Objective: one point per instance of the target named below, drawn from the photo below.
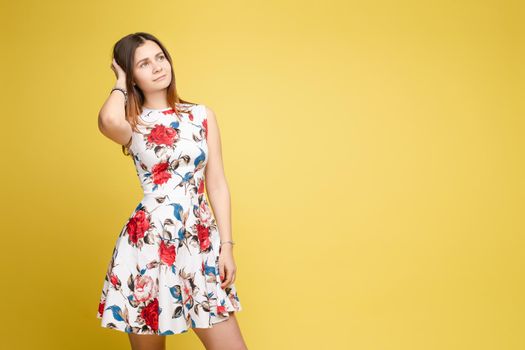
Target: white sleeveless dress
(163, 276)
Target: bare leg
(224, 335)
(147, 341)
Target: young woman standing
(172, 267)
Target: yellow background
(374, 151)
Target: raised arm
(112, 116)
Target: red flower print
(167, 253)
(145, 288)
(162, 135)
(221, 309)
(160, 173)
(150, 314)
(137, 225)
(201, 187)
(169, 111)
(203, 233)
(205, 126)
(114, 280)
(101, 307)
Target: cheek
(139, 76)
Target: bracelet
(123, 91)
(232, 242)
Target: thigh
(225, 335)
(147, 341)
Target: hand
(119, 72)
(227, 268)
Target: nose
(156, 67)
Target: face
(149, 64)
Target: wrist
(120, 83)
(228, 245)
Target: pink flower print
(145, 288)
(205, 216)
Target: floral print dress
(163, 276)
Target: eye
(142, 64)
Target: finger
(225, 278)
(221, 271)
(226, 283)
(228, 280)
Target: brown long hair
(124, 54)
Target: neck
(156, 100)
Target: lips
(160, 78)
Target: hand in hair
(119, 72)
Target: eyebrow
(145, 59)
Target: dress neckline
(166, 108)
(156, 109)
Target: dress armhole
(127, 145)
(205, 121)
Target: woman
(172, 266)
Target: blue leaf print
(181, 233)
(177, 210)
(175, 294)
(209, 269)
(200, 159)
(174, 124)
(117, 312)
(188, 176)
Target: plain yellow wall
(374, 151)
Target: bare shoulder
(210, 114)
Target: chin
(166, 82)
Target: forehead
(148, 49)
